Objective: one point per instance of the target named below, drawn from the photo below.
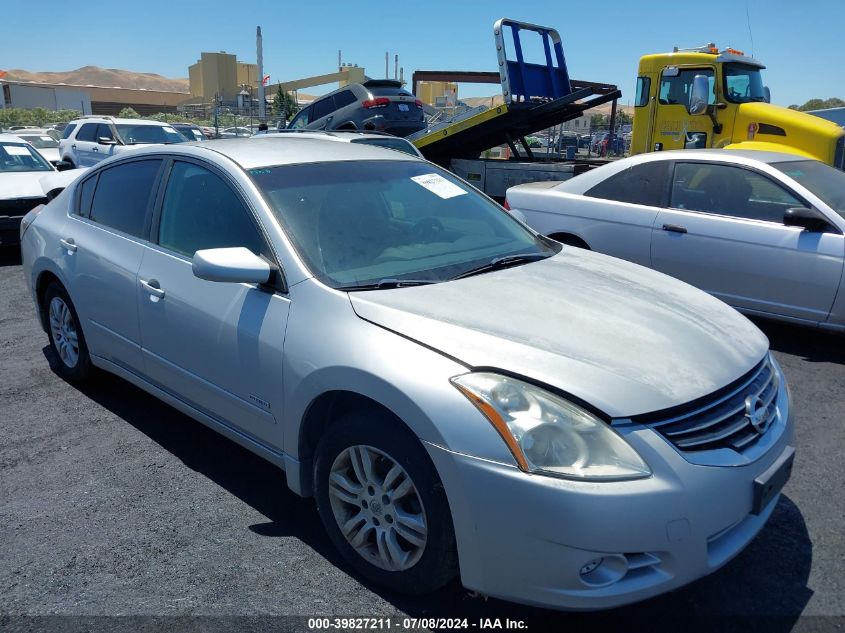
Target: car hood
(22, 184)
(623, 338)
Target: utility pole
(396, 67)
(262, 99)
(387, 65)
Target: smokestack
(402, 75)
(387, 65)
(262, 100)
(396, 67)
(339, 58)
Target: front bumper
(10, 227)
(579, 545)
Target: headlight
(549, 435)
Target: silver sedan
(459, 394)
(762, 231)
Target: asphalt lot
(112, 503)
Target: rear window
(641, 184)
(132, 134)
(390, 143)
(389, 91)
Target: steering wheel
(428, 228)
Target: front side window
(21, 157)
(743, 83)
(356, 223)
(676, 90)
(641, 184)
(729, 190)
(643, 88)
(88, 132)
(823, 180)
(301, 119)
(132, 134)
(104, 132)
(201, 211)
(123, 196)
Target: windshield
(191, 133)
(821, 179)
(39, 141)
(360, 222)
(21, 157)
(743, 83)
(390, 143)
(132, 134)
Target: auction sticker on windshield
(438, 185)
(16, 150)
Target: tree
(819, 104)
(284, 102)
(128, 113)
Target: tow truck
(706, 97)
(536, 96)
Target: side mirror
(808, 219)
(63, 165)
(105, 140)
(232, 265)
(698, 98)
(767, 93)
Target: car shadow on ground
(811, 344)
(10, 256)
(764, 588)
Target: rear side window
(69, 130)
(342, 99)
(201, 211)
(123, 196)
(641, 184)
(86, 195)
(87, 132)
(322, 108)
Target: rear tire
(383, 504)
(66, 337)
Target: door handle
(68, 244)
(154, 288)
(95, 150)
(73, 146)
(674, 228)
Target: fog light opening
(603, 571)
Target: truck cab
(706, 97)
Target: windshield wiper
(503, 262)
(384, 284)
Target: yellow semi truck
(706, 97)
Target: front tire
(383, 505)
(66, 337)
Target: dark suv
(379, 105)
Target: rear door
(217, 346)
(82, 146)
(103, 242)
(723, 232)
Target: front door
(674, 127)
(217, 346)
(724, 233)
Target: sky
(799, 41)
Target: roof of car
(705, 154)
(263, 151)
(115, 120)
(12, 138)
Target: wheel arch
(570, 239)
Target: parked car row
(462, 395)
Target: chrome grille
(733, 420)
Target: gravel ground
(114, 504)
